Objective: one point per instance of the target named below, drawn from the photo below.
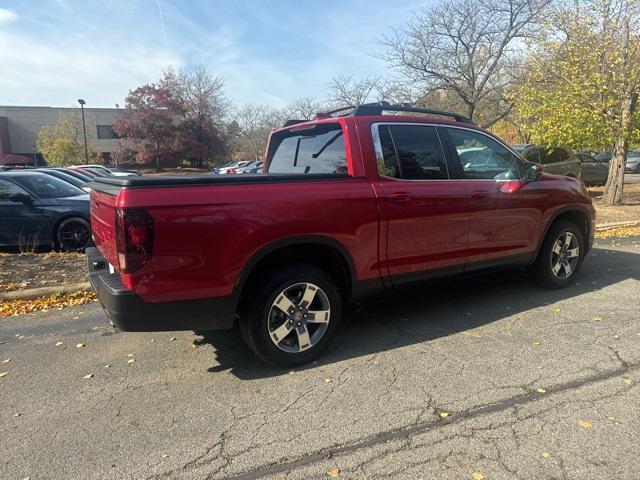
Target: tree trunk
(614, 188)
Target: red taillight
(134, 238)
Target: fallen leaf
(130, 355)
(17, 414)
(107, 366)
(536, 343)
(59, 343)
(6, 360)
(598, 319)
(584, 424)
(172, 339)
(616, 336)
(557, 310)
(80, 345)
(545, 454)
(12, 308)
(477, 476)
(611, 418)
(88, 375)
(165, 455)
(334, 473)
(444, 414)
(541, 390)
(131, 360)
(628, 381)
(328, 380)
(3, 374)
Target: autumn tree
(148, 120)
(467, 49)
(583, 82)
(62, 143)
(203, 106)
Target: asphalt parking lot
(483, 378)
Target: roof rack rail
(378, 108)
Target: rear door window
(320, 149)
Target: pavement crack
(403, 433)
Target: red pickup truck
(348, 206)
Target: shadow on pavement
(429, 312)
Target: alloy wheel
(73, 236)
(299, 317)
(565, 255)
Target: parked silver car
(556, 160)
(633, 162)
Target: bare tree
(345, 90)
(304, 108)
(252, 125)
(468, 48)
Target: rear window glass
(45, 186)
(319, 149)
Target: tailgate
(103, 224)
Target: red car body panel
(207, 236)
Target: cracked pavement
(487, 376)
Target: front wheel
(560, 256)
(73, 235)
(292, 315)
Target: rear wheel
(560, 256)
(291, 316)
(73, 235)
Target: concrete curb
(33, 293)
(607, 226)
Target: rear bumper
(128, 312)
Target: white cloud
(38, 72)
(7, 16)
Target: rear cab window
(318, 149)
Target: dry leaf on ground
(584, 424)
(12, 308)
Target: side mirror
(533, 172)
(20, 198)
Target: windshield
(604, 156)
(46, 186)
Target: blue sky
(52, 52)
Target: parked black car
(594, 171)
(76, 182)
(39, 209)
(74, 172)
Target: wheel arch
(574, 213)
(323, 252)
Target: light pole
(84, 130)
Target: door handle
(479, 194)
(403, 197)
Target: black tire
(73, 235)
(547, 259)
(258, 312)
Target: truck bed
(112, 185)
